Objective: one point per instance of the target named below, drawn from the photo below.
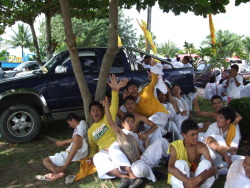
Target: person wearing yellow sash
(223, 139)
(187, 166)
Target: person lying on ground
(77, 150)
(222, 138)
(217, 104)
(142, 123)
(147, 104)
(238, 175)
(186, 168)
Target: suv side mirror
(60, 69)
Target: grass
(20, 163)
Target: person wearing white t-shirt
(239, 173)
(222, 138)
(245, 91)
(234, 81)
(77, 150)
(186, 62)
(177, 63)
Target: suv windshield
(57, 58)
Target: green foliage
(4, 54)
(242, 106)
(20, 38)
(168, 48)
(188, 47)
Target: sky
(186, 27)
(191, 28)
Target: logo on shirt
(185, 72)
(99, 132)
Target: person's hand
(142, 136)
(228, 160)
(59, 143)
(149, 75)
(193, 182)
(184, 113)
(113, 82)
(90, 160)
(105, 102)
(123, 82)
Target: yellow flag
(147, 35)
(119, 41)
(212, 30)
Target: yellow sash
(181, 153)
(231, 134)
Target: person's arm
(152, 125)
(115, 86)
(237, 82)
(64, 142)
(111, 122)
(77, 144)
(172, 169)
(237, 119)
(198, 111)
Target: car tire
(20, 123)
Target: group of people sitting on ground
(129, 142)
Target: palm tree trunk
(38, 57)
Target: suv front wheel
(20, 123)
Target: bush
(242, 106)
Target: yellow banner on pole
(147, 35)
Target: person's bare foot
(55, 176)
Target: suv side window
(88, 64)
(117, 66)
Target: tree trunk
(111, 51)
(38, 57)
(71, 43)
(48, 36)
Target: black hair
(235, 66)
(130, 83)
(129, 97)
(188, 125)
(221, 81)
(147, 56)
(215, 97)
(127, 115)
(96, 103)
(228, 113)
(187, 58)
(178, 59)
(212, 79)
(72, 116)
(248, 153)
(173, 85)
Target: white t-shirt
(236, 176)
(213, 129)
(245, 91)
(187, 65)
(232, 89)
(80, 130)
(177, 64)
(210, 91)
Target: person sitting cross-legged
(77, 150)
(222, 138)
(185, 167)
(238, 175)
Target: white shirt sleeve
(212, 130)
